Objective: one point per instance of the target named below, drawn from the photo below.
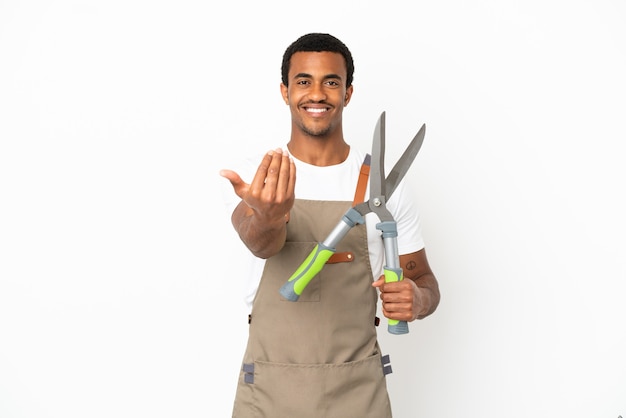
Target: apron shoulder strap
(359, 194)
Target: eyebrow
(326, 77)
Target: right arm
(260, 218)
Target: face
(317, 92)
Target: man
(319, 356)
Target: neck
(319, 151)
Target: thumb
(231, 176)
(379, 282)
(238, 184)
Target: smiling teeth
(316, 110)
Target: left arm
(415, 297)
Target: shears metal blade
(381, 189)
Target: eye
(332, 83)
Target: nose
(317, 92)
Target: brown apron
(318, 357)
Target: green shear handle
(393, 271)
(395, 326)
(312, 265)
(293, 288)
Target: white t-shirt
(337, 182)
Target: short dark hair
(317, 42)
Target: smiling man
(320, 357)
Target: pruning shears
(381, 189)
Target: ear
(284, 91)
(348, 96)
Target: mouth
(315, 110)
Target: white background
(119, 287)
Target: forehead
(318, 63)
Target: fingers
(398, 300)
(275, 177)
(287, 178)
(401, 291)
(270, 194)
(280, 173)
(399, 311)
(258, 182)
